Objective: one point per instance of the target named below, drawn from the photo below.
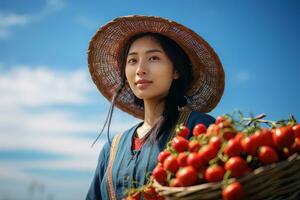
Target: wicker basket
(273, 182)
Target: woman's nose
(141, 69)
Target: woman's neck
(153, 111)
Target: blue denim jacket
(132, 166)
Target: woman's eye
(154, 58)
(132, 60)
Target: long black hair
(176, 96)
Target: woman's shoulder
(197, 117)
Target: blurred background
(50, 110)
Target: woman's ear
(176, 75)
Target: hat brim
(104, 60)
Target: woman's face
(148, 69)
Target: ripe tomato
(163, 155)
(134, 195)
(250, 144)
(236, 165)
(214, 173)
(216, 142)
(149, 193)
(283, 137)
(182, 131)
(295, 147)
(159, 174)
(174, 182)
(234, 191)
(220, 119)
(296, 129)
(182, 159)
(194, 146)
(264, 136)
(187, 176)
(199, 129)
(180, 144)
(233, 148)
(213, 129)
(195, 160)
(171, 164)
(267, 155)
(208, 153)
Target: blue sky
(50, 110)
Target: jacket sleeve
(94, 192)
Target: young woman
(159, 71)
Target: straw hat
(104, 60)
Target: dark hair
(176, 96)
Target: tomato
(187, 176)
(296, 129)
(163, 155)
(195, 160)
(234, 191)
(264, 137)
(182, 159)
(149, 193)
(236, 165)
(174, 182)
(214, 173)
(134, 195)
(267, 155)
(208, 153)
(216, 142)
(296, 146)
(283, 137)
(171, 164)
(250, 144)
(213, 129)
(180, 144)
(159, 174)
(220, 119)
(182, 131)
(194, 146)
(233, 148)
(199, 129)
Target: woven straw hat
(104, 60)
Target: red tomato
(264, 137)
(187, 176)
(180, 144)
(195, 160)
(163, 155)
(216, 142)
(194, 146)
(267, 155)
(296, 129)
(220, 119)
(149, 193)
(213, 129)
(182, 131)
(159, 174)
(250, 144)
(182, 159)
(233, 148)
(296, 146)
(283, 137)
(208, 153)
(174, 182)
(199, 129)
(171, 164)
(228, 134)
(237, 166)
(234, 191)
(214, 173)
(134, 195)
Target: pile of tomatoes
(222, 151)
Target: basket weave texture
(273, 182)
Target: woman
(159, 71)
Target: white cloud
(9, 21)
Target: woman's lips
(142, 84)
